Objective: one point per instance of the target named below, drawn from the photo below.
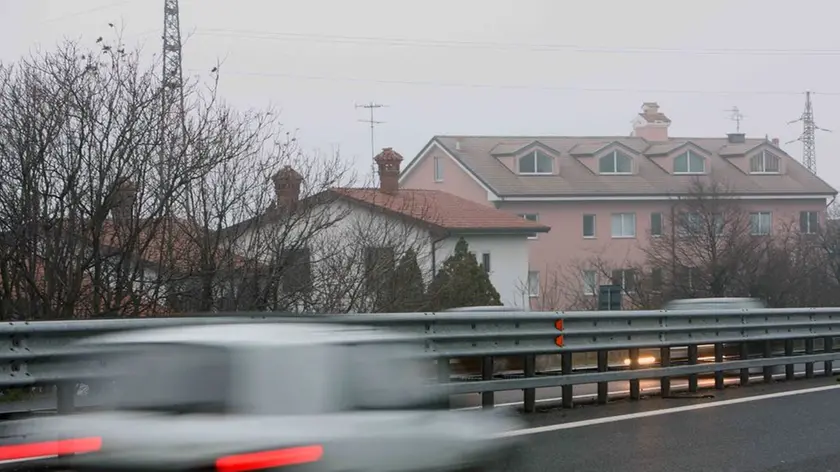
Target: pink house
(605, 196)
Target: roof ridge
(568, 136)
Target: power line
(85, 12)
(409, 42)
(430, 83)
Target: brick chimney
(651, 124)
(287, 183)
(123, 202)
(388, 162)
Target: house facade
(606, 197)
(363, 230)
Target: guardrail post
(767, 353)
(487, 398)
(809, 366)
(693, 383)
(530, 394)
(789, 374)
(603, 387)
(828, 346)
(635, 386)
(567, 390)
(665, 361)
(443, 375)
(719, 384)
(744, 354)
(65, 393)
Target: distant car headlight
(644, 360)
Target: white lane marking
(666, 411)
(27, 459)
(676, 386)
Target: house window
(765, 163)
(590, 282)
(656, 224)
(531, 217)
(536, 162)
(686, 277)
(438, 169)
(690, 224)
(624, 278)
(297, 270)
(656, 278)
(485, 262)
(615, 162)
(689, 163)
(809, 222)
(588, 226)
(533, 284)
(760, 223)
(719, 223)
(379, 267)
(624, 225)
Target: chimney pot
(775, 142)
(736, 138)
(287, 183)
(388, 162)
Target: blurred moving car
(705, 352)
(720, 303)
(244, 397)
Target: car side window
(172, 378)
(385, 376)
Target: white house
(367, 226)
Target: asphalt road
(765, 433)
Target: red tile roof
(442, 210)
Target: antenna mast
(808, 136)
(372, 107)
(737, 117)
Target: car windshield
(171, 378)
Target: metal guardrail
(38, 353)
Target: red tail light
(50, 448)
(268, 459)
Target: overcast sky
(512, 67)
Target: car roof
(492, 308)
(254, 334)
(735, 302)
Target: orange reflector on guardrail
(559, 340)
(559, 325)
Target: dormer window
(536, 162)
(616, 162)
(689, 162)
(765, 163)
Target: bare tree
(708, 246)
(83, 192)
